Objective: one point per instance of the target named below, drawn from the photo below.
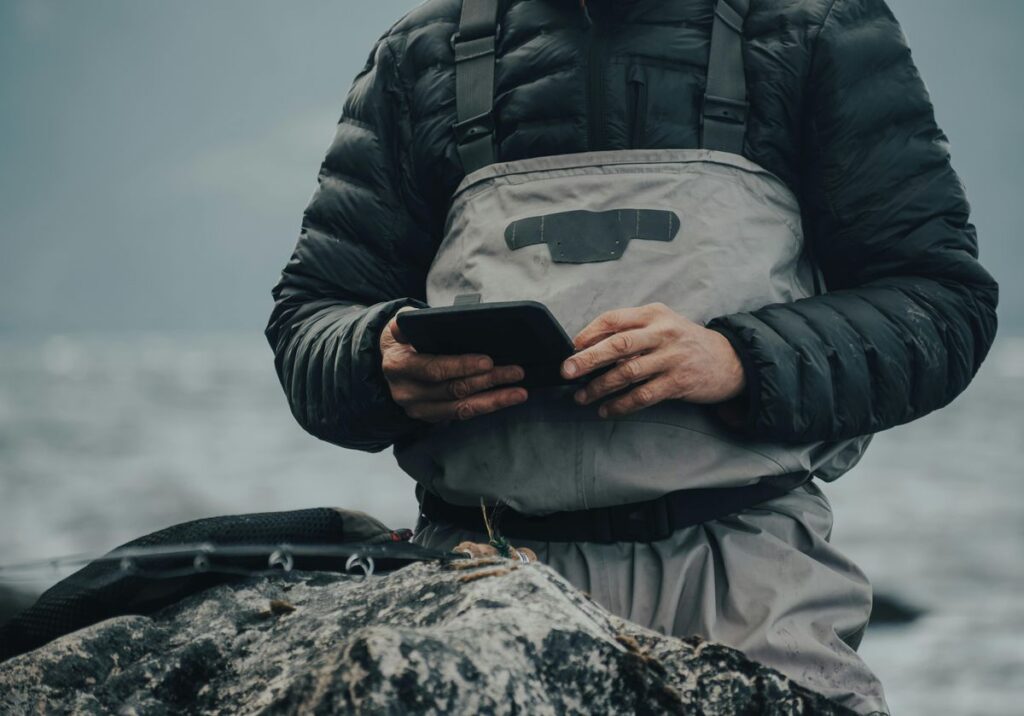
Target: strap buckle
(643, 522)
(732, 14)
(466, 299)
(647, 522)
(469, 130)
(477, 47)
(723, 109)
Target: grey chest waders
(705, 231)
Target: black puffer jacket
(838, 112)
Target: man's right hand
(435, 388)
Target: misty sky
(156, 155)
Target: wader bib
(703, 231)
(707, 232)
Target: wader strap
(466, 299)
(648, 521)
(473, 45)
(724, 108)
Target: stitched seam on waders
(606, 159)
(612, 158)
(490, 184)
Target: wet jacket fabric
(838, 112)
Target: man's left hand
(664, 355)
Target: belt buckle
(723, 109)
(649, 522)
(633, 525)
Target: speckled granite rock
(486, 638)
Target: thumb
(396, 332)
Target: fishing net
(149, 573)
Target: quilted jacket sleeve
(910, 313)
(351, 270)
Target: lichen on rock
(493, 638)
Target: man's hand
(660, 352)
(435, 388)
(478, 550)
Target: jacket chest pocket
(661, 103)
(636, 105)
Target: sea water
(105, 438)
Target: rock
(481, 637)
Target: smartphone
(522, 333)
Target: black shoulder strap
(724, 109)
(474, 83)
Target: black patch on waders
(580, 237)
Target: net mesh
(104, 588)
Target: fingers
(642, 396)
(466, 408)
(614, 322)
(475, 549)
(478, 550)
(628, 372)
(406, 392)
(427, 368)
(465, 387)
(524, 554)
(609, 350)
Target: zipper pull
(588, 21)
(637, 83)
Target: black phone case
(520, 333)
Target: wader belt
(724, 106)
(648, 521)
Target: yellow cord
(487, 522)
(496, 541)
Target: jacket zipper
(638, 113)
(595, 86)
